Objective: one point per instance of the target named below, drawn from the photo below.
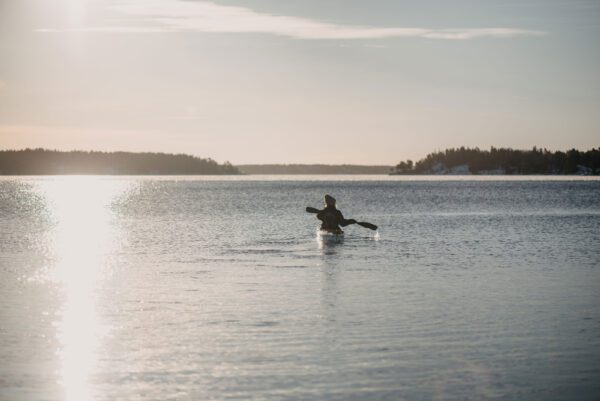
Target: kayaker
(331, 217)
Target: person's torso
(331, 218)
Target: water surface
(202, 288)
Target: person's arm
(343, 222)
(321, 215)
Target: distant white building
(496, 171)
(584, 170)
(441, 169)
(463, 169)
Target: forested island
(49, 162)
(504, 161)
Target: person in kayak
(331, 217)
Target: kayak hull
(330, 235)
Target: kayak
(330, 235)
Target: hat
(329, 200)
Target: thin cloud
(204, 16)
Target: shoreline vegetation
(453, 161)
(503, 161)
(53, 162)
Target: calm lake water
(173, 288)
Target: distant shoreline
(326, 177)
(452, 162)
(503, 161)
(313, 169)
(53, 162)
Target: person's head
(329, 200)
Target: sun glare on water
(81, 244)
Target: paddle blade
(312, 210)
(367, 225)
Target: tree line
(505, 161)
(46, 162)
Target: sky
(299, 81)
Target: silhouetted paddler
(331, 217)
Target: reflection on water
(329, 244)
(81, 244)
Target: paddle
(360, 223)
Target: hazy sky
(299, 81)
